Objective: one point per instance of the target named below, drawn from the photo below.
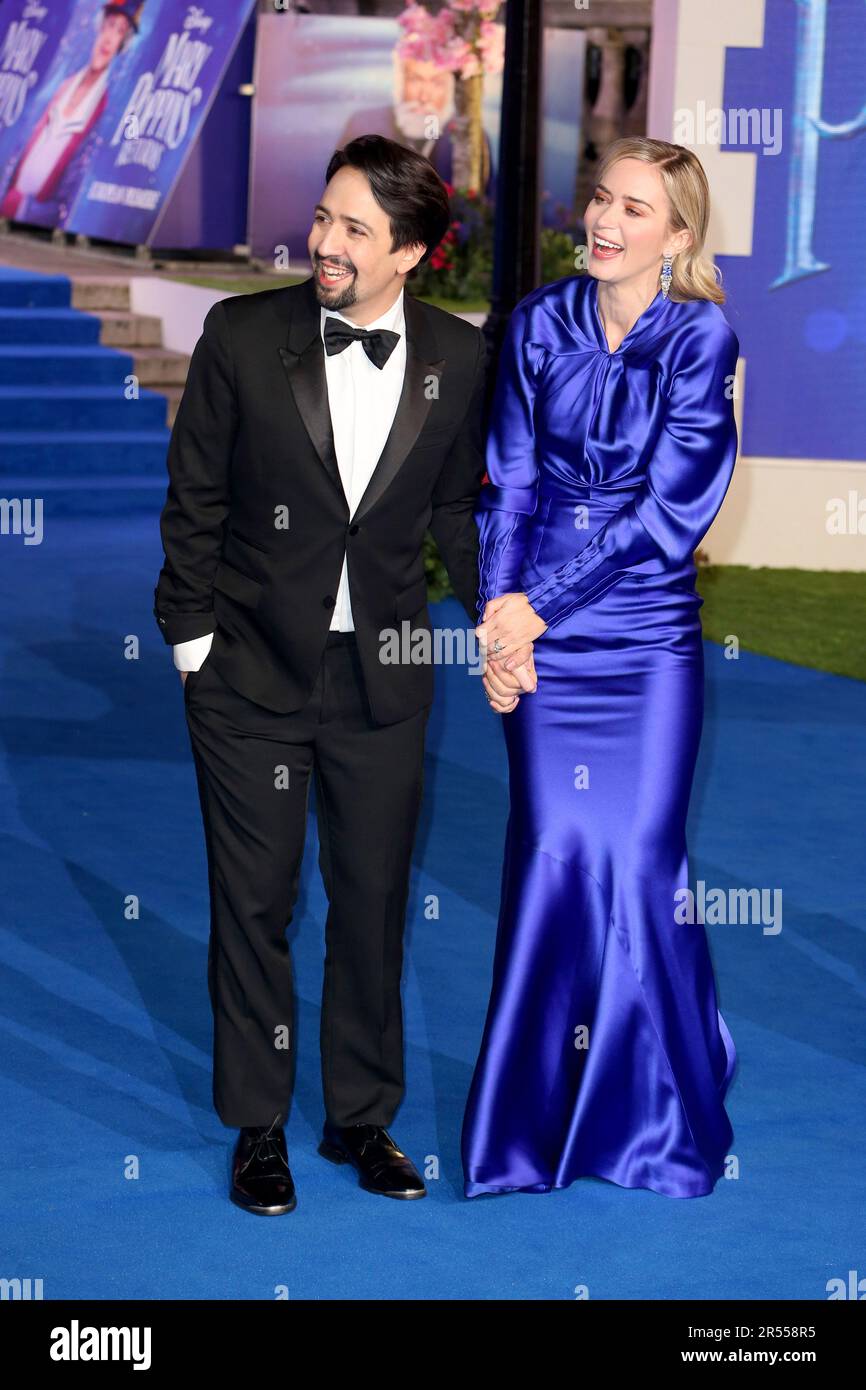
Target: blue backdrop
(798, 303)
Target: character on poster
(423, 92)
(52, 155)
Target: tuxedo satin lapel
(304, 362)
(414, 403)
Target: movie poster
(129, 88)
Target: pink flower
(440, 38)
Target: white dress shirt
(362, 400)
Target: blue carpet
(114, 1162)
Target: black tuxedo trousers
(254, 768)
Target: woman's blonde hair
(693, 275)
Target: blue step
(68, 435)
(68, 452)
(48, 326)
(27, 289)
(64, 366)
(78, 409)
(109, 495)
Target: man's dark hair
(406, 187)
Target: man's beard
(335, 298)
(411, 120)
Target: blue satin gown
(604, 1053)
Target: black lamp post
(516, 259)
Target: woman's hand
(509, 626)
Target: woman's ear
(681, 241)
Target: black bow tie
(378, 343)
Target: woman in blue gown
(611, 448)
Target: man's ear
(417, 249)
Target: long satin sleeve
(684, 486)
(507, 502)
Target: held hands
(503, 687)
(507, 632)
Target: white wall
(182, 308)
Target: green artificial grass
(813, 618)
(252, 284)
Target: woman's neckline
(604, 344)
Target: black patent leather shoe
(382, 1167)
(261, 1180)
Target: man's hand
(510, 625)
(503, 687)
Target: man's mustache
(342, 265)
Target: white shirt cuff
(189, 656)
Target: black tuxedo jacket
(255, 524)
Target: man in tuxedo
(323, 428)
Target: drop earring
(666, 275)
